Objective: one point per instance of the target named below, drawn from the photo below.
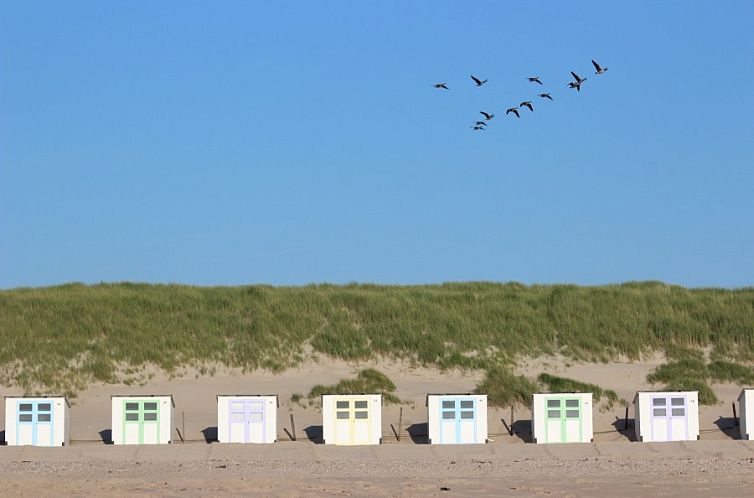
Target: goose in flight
(478, 128)
(598, 69)
(577, 83)
(441, 85)
(534, 79)
(480, 123)
(478, 81)
(527, 104)
(545, 96)
(513, 110)
(487, 116)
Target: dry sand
(718, 465)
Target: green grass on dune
(61, 338)
(367, 381)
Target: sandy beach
(718, 465)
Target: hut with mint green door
(459, 418)
(142, 419)
(562, 418)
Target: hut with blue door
(457, 418)
(36, 421)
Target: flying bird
(513, 110)
(577, 83)
(478, 81)
(441, 85)
(478, 128)
(480, 123)
(534, 79)
(487, 116)
(545, 96)
(527, 104)
(598, 69)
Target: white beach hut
(36, 420)
(243, 418)
(562, 418)
(746, 414)
(666, 415)
(454, 418)
(142, 419)
(352, 419)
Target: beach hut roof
(743, 391)
(41, 396)
(426, 398)
(636, 396)
(277, 400)
(172, 401)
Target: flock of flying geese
(482, 125)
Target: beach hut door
(563, 420)
(247, 421)
(141, 422)
(352, 422)
(34, 423)
(669, 422)
(457, 421)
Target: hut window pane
(658, 412)
(659, 402)
(448, 415)
(236, 418)
(553, 403)
(361, 415)
(572, 414)
(44, 407)
(150, 416)
(677, 401)
(24, 417)
(467, 415)
(448, 404)
(24, 407)
(360, 404)
(342, 415)
(255, 417)
(237, 407)
(571, 403)
(132, 417)
(467, 404)
(678, 412)
(342, 404)
(150, 406)
(553, 413)
(132, 406)
(43, 417)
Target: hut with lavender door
(666, 416)
(247, 418)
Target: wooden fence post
(293, 428)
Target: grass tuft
(367, 381)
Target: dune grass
(693, 374)
(554, 384)
(367, 381)
(62, 338)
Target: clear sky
(234, 142)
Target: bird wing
(596, 66)
(485, 114)
(476, 80)
(575, 76)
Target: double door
(35, 423)
(563, 420)
(247, 422)
(457, 421)
(669, 421)
(141, 422)
(352, 423)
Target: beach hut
(352, 419)
(247, 418)
(36, 420)
(457, 418)
(666, 416)
(746, 413)
(562, 418)
(142, 419)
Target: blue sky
(286, 143)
